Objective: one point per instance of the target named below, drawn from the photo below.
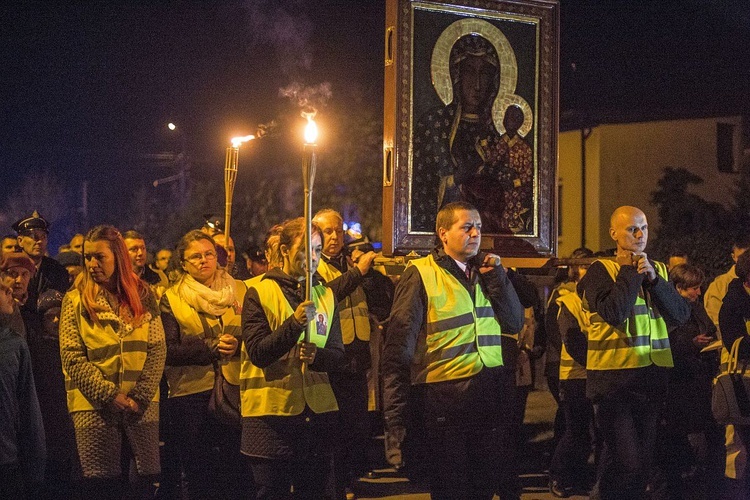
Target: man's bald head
(628, 227)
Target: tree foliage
(702, 229)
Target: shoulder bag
(224, 404)
(730, 398)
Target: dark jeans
(569, 463)
(627, 422)
(463, 463)
(274, 477)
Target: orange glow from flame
(311, 129)
(236, 141)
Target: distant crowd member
(675, 258)
(716, 291)
(213, 225)
(16, 270)
(201, 316)
(566, 333)
(443, 361)
(734, 323)
(73, 263)
(136, 246)
(76, 243)
(161, 260)
(255, 261)
(235, 271)
(632, 306)
(349, 382)
(112, 350)
(45, 356)
(22, 450)
(688, 410)
(9, 244)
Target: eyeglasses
(197, 257)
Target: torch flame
(236, 141)
(311, 129)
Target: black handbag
(224, 403)
(730, 397)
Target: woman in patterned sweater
(112, 349)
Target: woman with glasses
(201, 316)
(112, 351)
(288, 407)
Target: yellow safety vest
(570, 369)
(255, 279)
(117, 353)
(287, 385)
(460, 336)
(641, 340)
(191, 379)
(353, 313)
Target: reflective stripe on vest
(191, 379)
(287, 385)
(642, 339)
(119, 359)
(355, 321)
(570, 369)
(460, 336)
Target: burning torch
(308, 173)
(230, 176)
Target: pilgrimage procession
(532, 318)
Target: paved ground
(540, 412)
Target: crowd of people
(111, 366)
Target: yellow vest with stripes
(119, 358)
(460, 336)
(287, 385)
(641, 340)
(570, 369)
(353, 313)
(191, 379)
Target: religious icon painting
(321, 323)
(471, 115)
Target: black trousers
(350, 455)
(275, 478)
(628, 424)
(569, 463)
(463, 463)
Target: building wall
(570, 189)
(624, 162)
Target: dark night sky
(87, 87)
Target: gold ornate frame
(419, 38)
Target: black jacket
(613, 300)
(265, 346)
(452, 402)
(733, 315)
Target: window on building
(725, 148)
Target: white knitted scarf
(214, 300)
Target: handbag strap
(733, 356)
